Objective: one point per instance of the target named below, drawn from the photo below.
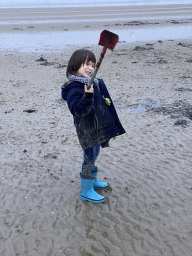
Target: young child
(95, 118)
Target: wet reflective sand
(56, 41)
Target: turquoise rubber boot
(89, 194)
(98, 184)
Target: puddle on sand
(176, 110)
(56, 41)
(144, 105)
(138, 109)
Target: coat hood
(66, 87)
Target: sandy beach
(149, 204)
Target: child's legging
(88, 166)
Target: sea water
(49, 42)
(85, 3)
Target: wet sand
(33, 20)
(148, 207)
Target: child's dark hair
(78, 58)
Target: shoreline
(53, 31)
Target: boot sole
(84, 198)
(106, 187)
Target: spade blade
(108, 39)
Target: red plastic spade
(108, 40)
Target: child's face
(86, 69)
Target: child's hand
(90, 90)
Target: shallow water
(80, 3)
(56, 41)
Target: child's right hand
(90, 90)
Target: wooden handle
(96, 69)
(92, 78)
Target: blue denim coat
(96, 122)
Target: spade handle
(97, 67)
